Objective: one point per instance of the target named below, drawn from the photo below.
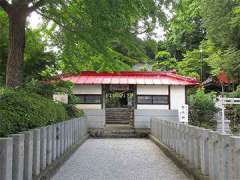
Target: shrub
(202, 109)
(73, 112)
(20, 111)
(47, 89)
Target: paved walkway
(119, 159)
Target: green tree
(185, 31)
(96, 22)
(37, 59)
(221, 20)
(3, 45)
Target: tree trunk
(14, 73)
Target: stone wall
(142, 117)
(25, 156)
(208, 154)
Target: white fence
(216, 156)
(26, 155)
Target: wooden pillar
(103, 96)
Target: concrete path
(119, 159)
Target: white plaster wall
(88, 106)
(152, 89)
(143, 106)
(87, 89)
(177, 96)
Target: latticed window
(153, 99)
(88, 99)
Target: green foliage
(3, 45)
(220, 19)
(20, 111)
(163, 55)
(73, 112)
(170, 64)
(47, 89)
(185, 31)
(202, 109)
(37, 59)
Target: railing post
(224, 156)
(58, 132)
(204, 151)
(49, 144)
(62, 138)
(6, 151)
(187, 145)
(181, 142)
(54, 140)
(234, 167)
(28, 155)
(196, 147)
(36, 152)
(43, 149)
(18, 156)
(213, 155)
(178, 137)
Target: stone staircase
(119, 115)
(119, 131)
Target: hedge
(21, 110)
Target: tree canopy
(202, 37)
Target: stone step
(117, 122)
(120, 131)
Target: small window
(92, 99)
(144, 99)
(153, 99)
(88, 99)
(160, 99)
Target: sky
(35, 20)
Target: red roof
(133, 77)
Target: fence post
(187, 144)
(58, 131)
(196, 147)
(79, 129)
(62, 137)
(204, 151)
(49, 144)
(68, 134)
(224, 148)
(213, 155)
(43, 145)
(181, 142)
(234, 167)
(6, 150)
(65, 136)
(28, 155)
(54, 139)
(18, 156)
(36, 152)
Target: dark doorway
(120, 103)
